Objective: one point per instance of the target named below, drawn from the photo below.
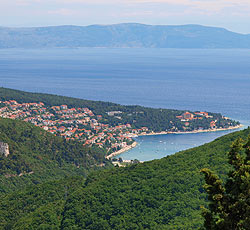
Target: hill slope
(37, 156)
(161, 194)
(123, 35)
(39, 206)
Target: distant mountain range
(123, 35)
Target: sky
(230, 14)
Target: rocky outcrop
(4, 149)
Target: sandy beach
(122, 150)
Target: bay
(205, 80)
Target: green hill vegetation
(37, 207)
(229, 203)
(37, 156)
(161, 194)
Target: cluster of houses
(72, 123)
(187, 117)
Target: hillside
(123, 35)
(37, 156)
(161, 194)
(39, 206)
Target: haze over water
(204, 80)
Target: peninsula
(104, 125)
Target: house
(112, 113)
(188, 116)
(64, 107)
(204, 114)
(212, 125)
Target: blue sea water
(192, 79)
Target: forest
(37, 156)
(160, 194)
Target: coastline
(164, 133)
(195, 131)
(125, 149)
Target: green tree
(229, 207)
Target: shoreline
(127, 148)
(190, 132)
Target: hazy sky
(231, 14)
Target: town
(187, 117)
(91, 129)
(73, 124)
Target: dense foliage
(37, 156)
(161, 194)
(37, 207)
(229, 206)
(138, 116)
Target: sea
(215, 80)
